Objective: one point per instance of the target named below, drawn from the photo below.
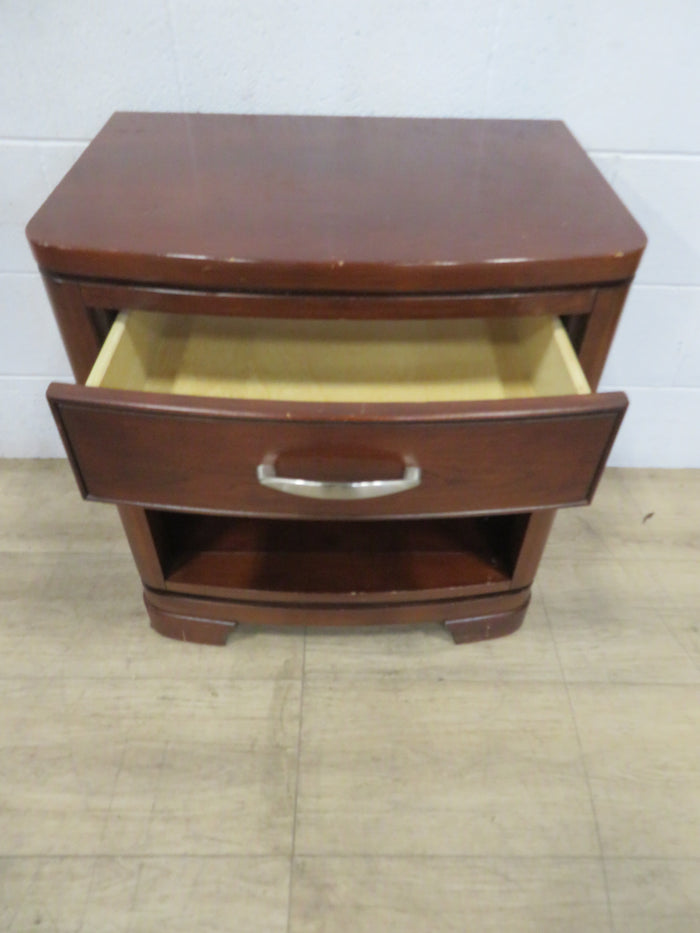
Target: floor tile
(429, 653)
(148, 767)
(120, 895)
(181, 895)
(684, 623)
(440, 767)
(626, 645)
(364, 895)
(149, 785)
(44, 894)
(64, 617)
(671, 493)
(641, 515)
(601, 588)
(596, 531)
(654, 896)
(680, 581)
(43, 511)
(640, 747)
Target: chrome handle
(321, 489)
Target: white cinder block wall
(624, 75)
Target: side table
(335, 370)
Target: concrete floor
(359, 781)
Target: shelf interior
(216, 553)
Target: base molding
(187, 628)
(203, 620)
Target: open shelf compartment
(315, 560)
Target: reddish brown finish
(336, 204)
(530, 546)
(600, 329)
(145, 537)
(187, 628)
(256, 304)
(202, 454)
(495, 624)
(327, 217)
(175, 610)
(359, 562)
(82, 329)
(79, 332)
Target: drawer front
(203, 455)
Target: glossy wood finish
(211, 621)
(202, 454)
(83, 329)
(336, 204)
(200, 631)
(364, 219)
(494, 623)
(76, 323)
(322, 561)
(599, 331)
(309, 306)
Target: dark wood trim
(79, 332)
(499, 620)
(466, 619)
(83, 331)
(575, 301)
(600, 328)
(187, 628)
(143, 532)
(534, 540)
(162, 403)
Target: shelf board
(324, 561)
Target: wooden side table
(335, 370)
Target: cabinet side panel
(600, 330)
(535, 537)
(83, 331)
(78, 327)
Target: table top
(336, 204)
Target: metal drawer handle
(320, 489)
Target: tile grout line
(105, 823)
(391, 856)
(25, 895)
(604, 869)
(296, 785)
(323, 678)
(642, 506)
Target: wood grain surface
(336, 204)
(202, 454)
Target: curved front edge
(186, 627)
(210, 621)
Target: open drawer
(339, 419)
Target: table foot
(496, 625)
(187, 628)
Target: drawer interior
(339, 360)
